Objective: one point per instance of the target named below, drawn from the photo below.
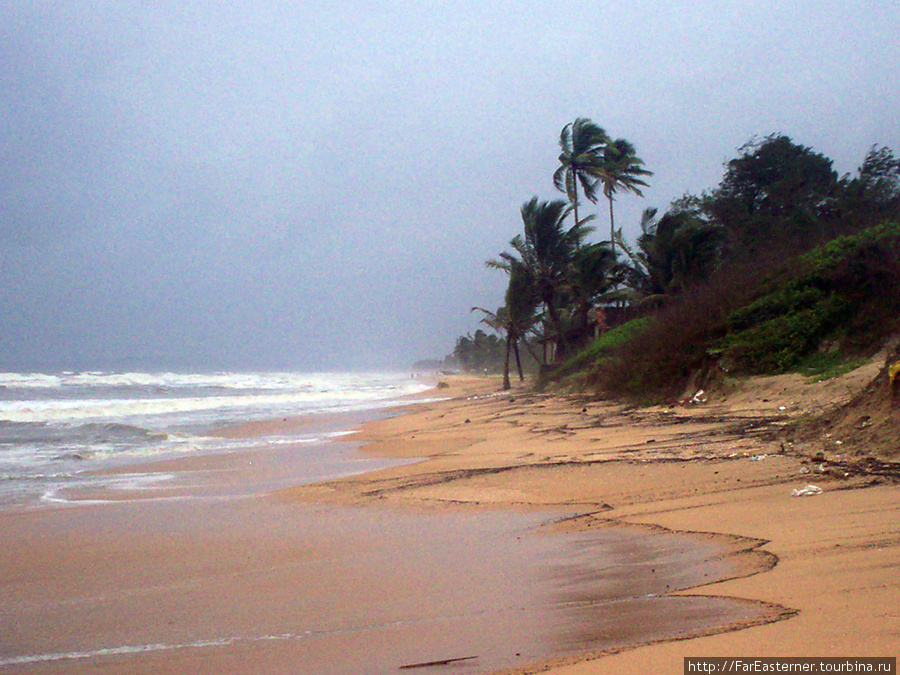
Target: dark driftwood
(442, 662)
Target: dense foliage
(780, 261)
(479, 352)
(848, 290)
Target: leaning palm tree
(582, 144)
(620, 169)
(545, 254)
(515, 318)
(499, 321)
(674, 252)
(522, 306)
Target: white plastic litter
(807, 491)
(758, 458)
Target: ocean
(64, 430)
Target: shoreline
(809, 570)
(717, 469)
(142, 578)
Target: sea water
(58, 430)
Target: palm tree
(516, 317)
(620, 169)
(676, 251)
(499, 321)
(544, 255)
(582, 144)
(593, 278)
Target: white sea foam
(115, 651)
(104, 396)
(64, 424)
(125, 650)
(224, 380)
(99, 409)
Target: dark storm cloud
(317, 184)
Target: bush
(777, 344)
(847, 288)
(759, 320)
(656, 362)
(607, 344)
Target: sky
(317, 185)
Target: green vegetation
(825, 365)
(478, 353)
(848, 289)
(599, 352)
(783, 266)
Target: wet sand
(217, 568)
(262, 587)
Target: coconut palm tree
(582, 144)
(544, 255)
(620, 169)
(593, 278)
(522, 309)
(499, 321)
(676, 251)
(516, 318)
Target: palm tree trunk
(575, 208)
(557, 325)
(518, 360)
(531, 350)
(612, 226)
(509, 335)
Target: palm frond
(589, 185)
(561, 178)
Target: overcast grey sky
(318, 184)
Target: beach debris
(698, 397)
(441, 662)
(758, 458)
(806, 491)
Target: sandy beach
(516, 531)
(825, 565)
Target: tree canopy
(582, 144)
(775, 191)
(693, 274)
